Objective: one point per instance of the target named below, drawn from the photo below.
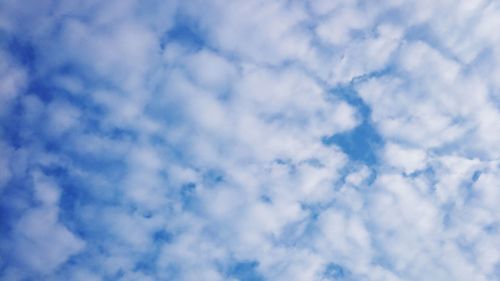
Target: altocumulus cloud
(250, 140)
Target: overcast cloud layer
(250, 140)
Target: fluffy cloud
(251, 140)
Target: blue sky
(249, 140)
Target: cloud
(40, 243)
(408, 160)
(251, 140)
(272, 34)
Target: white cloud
(41, 242)
(62, 116)
(12, 82)
(210, 70)
(322, 7)
(367, 55)
(338, 28)
(261, 31)
(407, 159)
(178, 162)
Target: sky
(250, 140)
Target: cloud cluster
(250, 140)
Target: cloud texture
(250, 140)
